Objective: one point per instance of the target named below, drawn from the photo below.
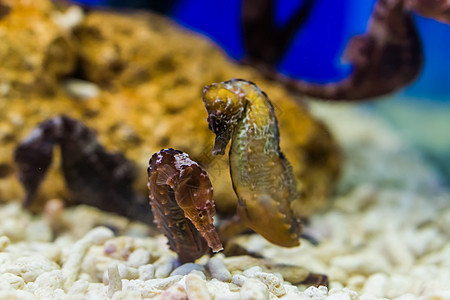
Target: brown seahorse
(181, 199)
(435, 9)
(386, 58)
(93, 175)
(261, 175)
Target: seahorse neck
(260, 115)
(259, 110)
(258, 126)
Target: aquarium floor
(385, 235)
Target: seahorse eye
(215, 124)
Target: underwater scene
(242, 149)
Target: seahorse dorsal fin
(165, 174)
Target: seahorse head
(225, 103)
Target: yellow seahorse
(261, 175)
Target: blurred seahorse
(436, 9)
(261, 175)
(384, 59)
(181, 199)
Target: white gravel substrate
(385, 235)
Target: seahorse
(387, 57)
(181, 199)
(261, 175)
(436, 9)
(93, 175)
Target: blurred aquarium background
(421, 111)
(315, 52)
